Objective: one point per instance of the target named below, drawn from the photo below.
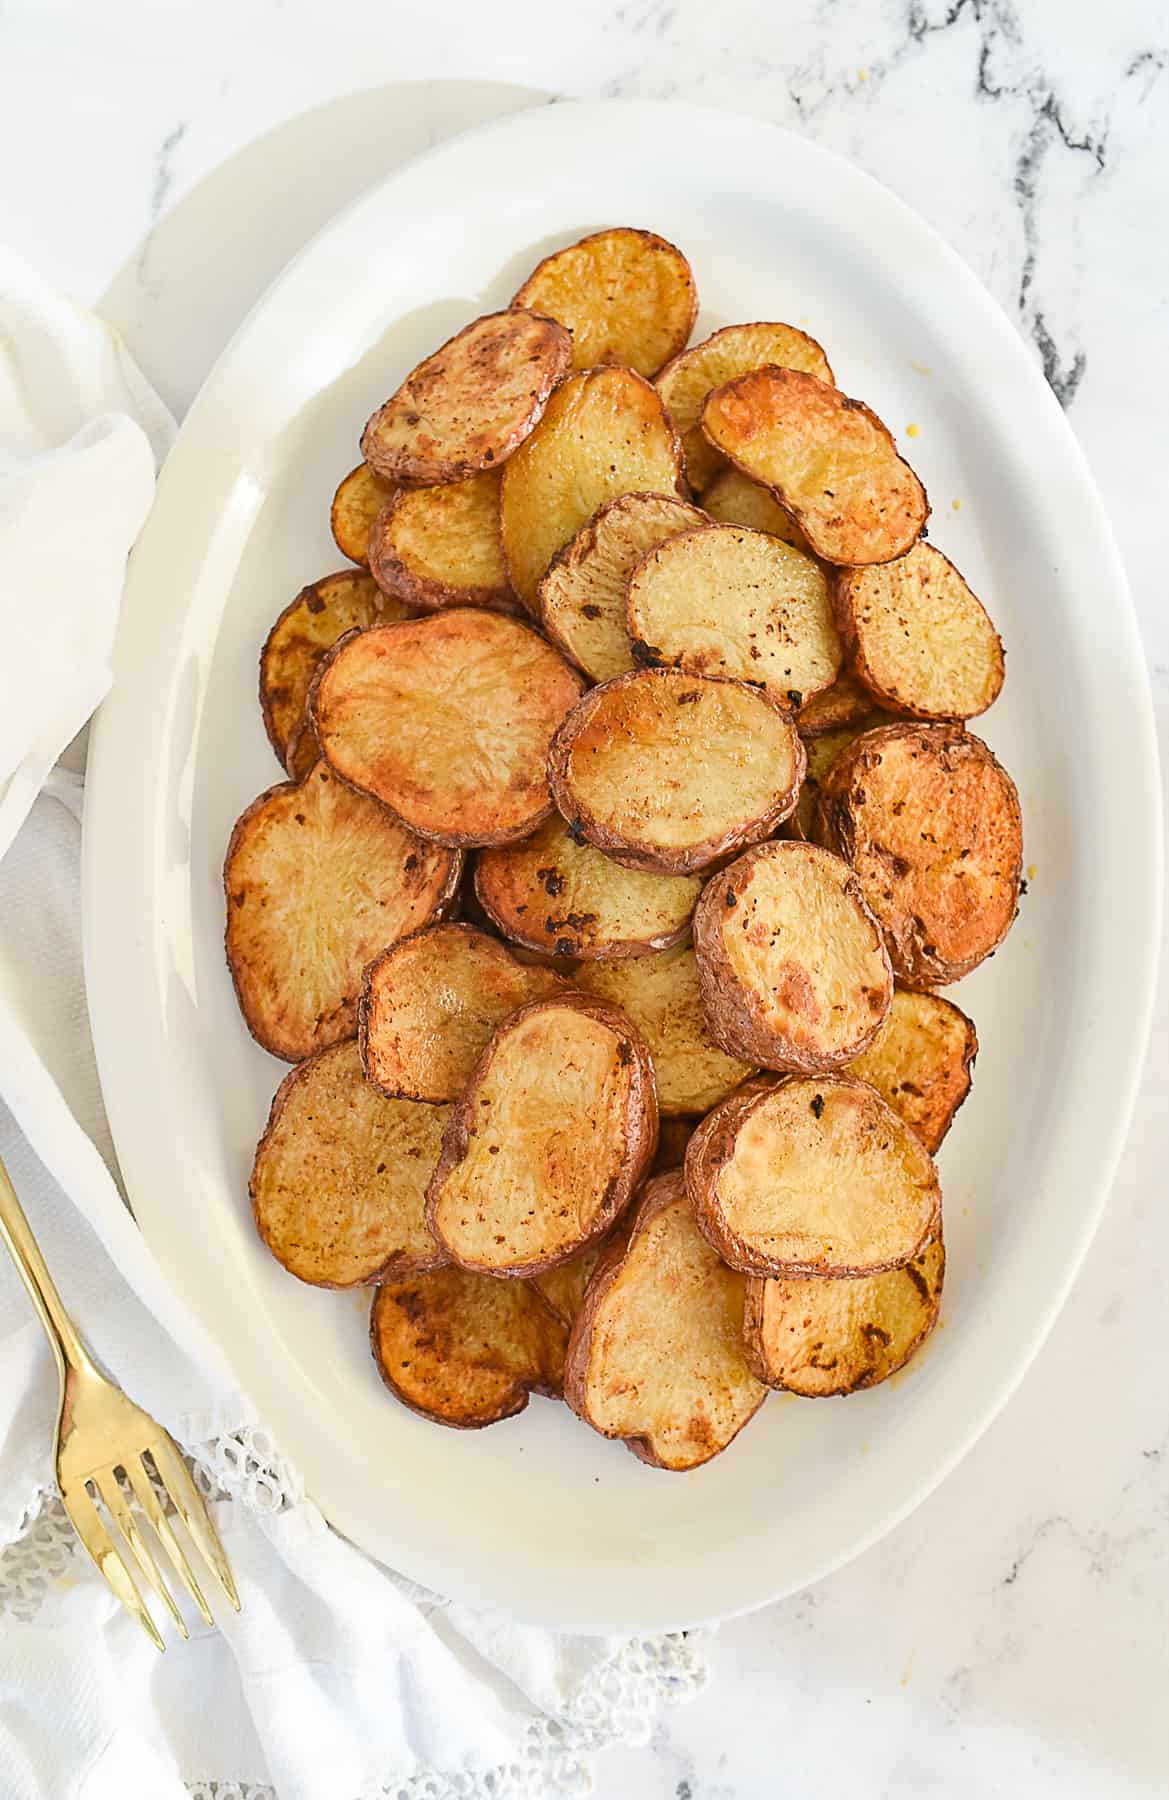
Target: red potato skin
(515, 1402)
(640, 1144)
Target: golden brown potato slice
(728, 601)
(553, 1132)
(557, 894)
(812, 1176)
(318, 879)
(846, 702)
(656, 1355)
(918, 637)
(605, 432)
(668, 772)
(582, 596)
(626, 296)
(792, 967)
(817, 1337)
(821, 752)
(464, 1350)
(439, 546)
(830, 461)
(734, 350)
(339, 1181)
(930, 821)
(430, 1003)
(304, 633)
(733, 499)
(356, 505)
(660, 994)
(448, 720)
(920, 1062)
(563, 1289)
(468, 406)
(673, 1137)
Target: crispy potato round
(920, 1062)
(668, 772)
(318, 879)
(813, 1175)
(304, 633)
(439, 546)
(931, 823)
(734, 350)
(447, 720)
(830, 461)
(734, 499)
(660, 994)
(846, 702)
(553, 1132)
(627, 297)
(821, 752)
(918, 638)
(563, 1289)
(339, 1180)
(605, 432)
(817, 1337)
(556, 894)
(430, 1003)
(656, 1355)
(468, 406)
(792, 968)
(582, 595)
(464, 1350)
(356, 504)
(729, 601)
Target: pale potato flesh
(660, 994)
(356, 504)
(920, 638)
(627, 296)
(734, 350)
(582, 596)
(439, 546)
(729, 601)
(563, 1288)
(448, 720)
(604, 433)
(553, 893)
(920, 1062)
(734, 499)
(304, 633)
(339, 1181)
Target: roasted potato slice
(469, 405)
(846, 702)
(728, 601)
(582, 595)
(430, 1003)
(918, 637)
(554, 1130)
(605, 432)
(356, 504)
(557, 894)
(339, 1180)
(439, 546)
(304, 633)
(563, 1288)
(920, 1062)
(656, 1355)
(318, 879)
(627, 297)
(660, 994)
(668, 772)
(821, 752)
(814, 1175)
(931, 823)
(817, 1337)
(448, 720)
(464, 1350)
(736, 349)
(734, 499)
(831, 463)
(791, 964)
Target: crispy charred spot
(649, 655)
(818, 1105)
(590, 611)
(238, 899)
(731, 898)
(576, 831)
(919, 1281)
(553, 881)
(795, 696)
(411, 862)
(691, 695)
(412, 1303)
(876, 1334)
(313, 603)
(564, 946)
(624, 1054)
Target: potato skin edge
(397, 579)
(515, 1402)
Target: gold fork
(108, 1449)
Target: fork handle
(16, 1231)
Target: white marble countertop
(1010, 1638)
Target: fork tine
(144, 1493)
(110, 1489)
(87, 1523)
(188, 1503)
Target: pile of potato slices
(632, 822)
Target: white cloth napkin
(338, 1681)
